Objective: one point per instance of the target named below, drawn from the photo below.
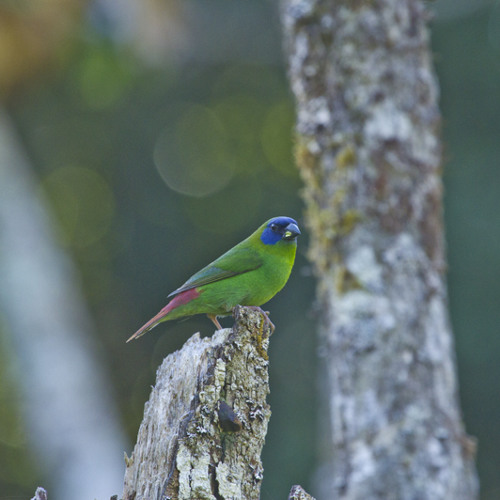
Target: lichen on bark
(369, 152)
(206, 420)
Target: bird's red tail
(178, 300)
(151, 323)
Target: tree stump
(206, 420)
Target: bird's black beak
(291, 232)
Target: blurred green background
(161, 134)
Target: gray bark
(298, 493)
(206, 420)
(368, 150)
(40, 494)
(69, 410)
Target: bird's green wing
(235, 261)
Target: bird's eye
(274, 227)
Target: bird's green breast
(258, 286)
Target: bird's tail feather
(179, 300)
(150, 324)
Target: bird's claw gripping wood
(267, 323)
(264, 325)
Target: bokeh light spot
(83, 202)
(104, 77)
(191, 156)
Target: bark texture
(368, 150)
(40, 494)
(298, 493)
(206, 420)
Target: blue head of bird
(280, 229)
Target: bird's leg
(215, 321)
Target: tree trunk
(206, 420)
(368, 150)
(66, 400)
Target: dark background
(159, 152)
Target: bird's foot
(265, 324)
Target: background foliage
(161, 134)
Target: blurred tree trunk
(69, 410)
(368, 150)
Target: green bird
(249, 274)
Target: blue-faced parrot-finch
(249, 274)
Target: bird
(249, 274)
